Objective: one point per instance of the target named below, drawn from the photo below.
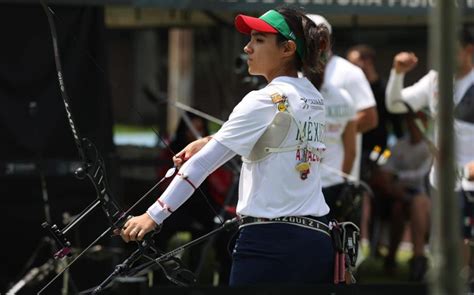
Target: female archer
(278, 130)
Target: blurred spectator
(364, 57)
(424, 93)
(344, 75)
(340, 153)
(196, 216)
(403, 181)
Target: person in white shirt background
(341, 130)
(344, 75)
(424, 93)
(278, 130)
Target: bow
(94, 169)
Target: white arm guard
(196, 169)
(393, 93)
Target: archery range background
(36, 138)
(34, 128)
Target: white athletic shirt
(343, 74)
(424, 93)
(271, 187)
(340, 110)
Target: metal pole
(445, 277)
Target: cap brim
(245, 24)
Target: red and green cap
(270, 22)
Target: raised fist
(404, 62)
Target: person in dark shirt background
(364, 57)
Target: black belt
(303, 221)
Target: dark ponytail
(316, 44)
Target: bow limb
(93, 167)
(50, 14)
(92, 163)
(65, 96)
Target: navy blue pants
(281, 254)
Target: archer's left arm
(190, 176)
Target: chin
(253, 72)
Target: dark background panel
(33, 121)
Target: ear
(289, 48)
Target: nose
(247, 48)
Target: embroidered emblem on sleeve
(280, 101)
(277, 97)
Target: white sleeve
(352, 111)
(359, 89)
(247, 122)
(417, 95)
(196, 169)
